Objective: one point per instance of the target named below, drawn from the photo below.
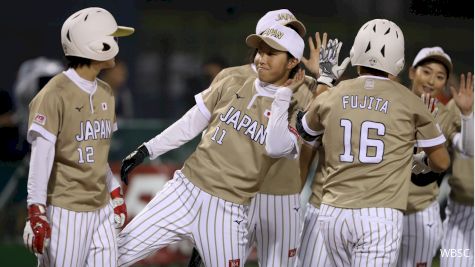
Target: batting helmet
(89, 33)
(379, 44)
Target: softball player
(370, 124)
(70, 215)
(458, 225)
(312, 251)
(207, 200)
(282, 184)
(422, 229)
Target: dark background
(173, 38)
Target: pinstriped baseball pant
(458, 235)
(181, 210)
(81, 238)
(312, 251)
(421, 236)
(275, 225)
(361, 237)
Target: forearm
(280, 141)
(41, 163)
(182, 131)
(112, 182)
(467, 135)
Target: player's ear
(291, 63)
(412, 73)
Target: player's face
(272, 65)
(428, 78)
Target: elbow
(441, 164)
(274, 152)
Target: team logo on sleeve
(235, 263)
(40, 119)
(104, 105)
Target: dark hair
(76, 62)
(375, 72)
(295, 69)
(433, 60)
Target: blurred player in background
(458, 225)
(207, 201)
(370, 124)
(71, 220)
(422, 230)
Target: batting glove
(120, 209)
(330, 71)
(133, 160)
(419, 163)
(37, 232)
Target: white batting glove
(419, 163)
(330, 71)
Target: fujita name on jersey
(365, 102)
(93, 130)
(254, 129)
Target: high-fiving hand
(330, 71)
(464, 97)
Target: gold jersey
(282, 178)
(420, 197)
(461, 179)
(371, 125)
(61, 112)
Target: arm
(37, 230)
(464, 100)
(281, 139)
(182, 131)
(437, 158)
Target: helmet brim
(123, 31)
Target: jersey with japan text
(230, 161)
(282, 178)
(81, 127)
(371, 125)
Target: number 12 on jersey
(365, 142)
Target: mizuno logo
(79, 108)
(296, 209)
(237, 221)
(238, 96)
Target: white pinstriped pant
(81, 238)
(421, 236)
(180, 211)
(458, 234)
(274, 225)
(361, 237)
(312, 251)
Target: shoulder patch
(40, 119)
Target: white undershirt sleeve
(463, 141)
(111, 180)
(180, 132)
(280, 141)
(41, 162)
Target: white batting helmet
(89, 33)
(379, 44)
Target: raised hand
(431, 104)
(312, 63)
(464, 97)
(330, 71)
(294, 83)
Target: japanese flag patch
(40, 119)
(267, 113)
(104, 105)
